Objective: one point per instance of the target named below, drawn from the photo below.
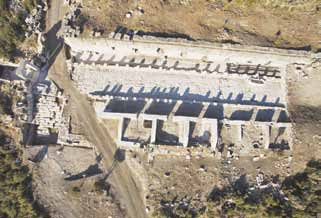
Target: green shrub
(29, 4)
(12, 26)
(5, 103)
(15, 197)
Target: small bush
(101, 186)
(75, 189)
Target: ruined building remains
(187, 93)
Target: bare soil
(63, 198)
(276, 23)
(304, 103)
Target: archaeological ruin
(182, 93)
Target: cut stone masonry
(187, 93)
(49, 108)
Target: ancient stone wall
(192, 50)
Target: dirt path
(121, 178)
(126, 186)
(54, 14)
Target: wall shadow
(131, 34)
(175, 94)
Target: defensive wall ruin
(169, 92)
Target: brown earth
(274, 23)
(59, 196)
(304, 102)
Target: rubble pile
(49, 117)
(21, 106)
(185, 2)
(66, 138)
(35, 19)
(70, 28)
(17, 92)
(15, 5)
(138, 11)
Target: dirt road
(127, 189)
